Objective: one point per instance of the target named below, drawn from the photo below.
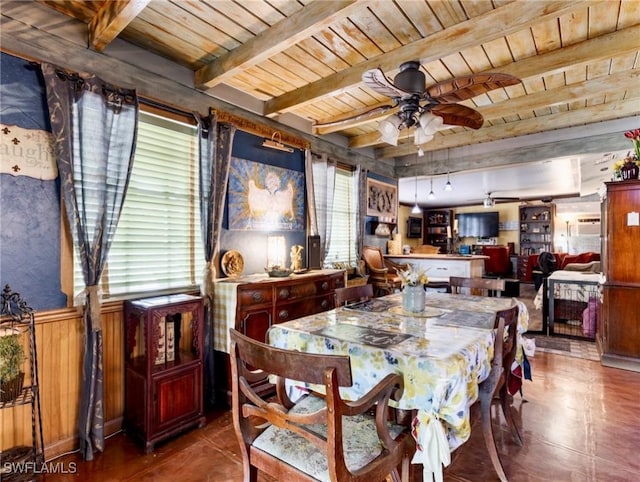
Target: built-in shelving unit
(536, 228)
(435, 228)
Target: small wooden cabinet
(618, 332)
(163, 366)
(435, 228)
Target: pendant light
(416, 209)
(431, 194)
(448, 186)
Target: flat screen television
(479, 225)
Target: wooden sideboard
(252, 304)
(619, 331)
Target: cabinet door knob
(257, 296)
(283, 314)
(325, 285)
(324, 304)
(284, 293)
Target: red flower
(632, 134)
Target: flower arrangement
(631, 162)
(634, 135)
(413, 277)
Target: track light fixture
(416, 209)
(448, 186)
(431, 196)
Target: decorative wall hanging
(27, 152)
(382, 200)
(264, 197)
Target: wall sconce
(276, 252)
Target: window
(157, 245)
(342, 248)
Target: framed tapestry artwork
(382, 200)
(264, 197)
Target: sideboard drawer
(255, 295)
(291, 311)
(295, 290)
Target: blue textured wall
(29, 208)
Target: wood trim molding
(259, 129)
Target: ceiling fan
(427, 108)
(490, 201)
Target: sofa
(564, 259)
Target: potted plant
(11, 358)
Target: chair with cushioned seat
(383, 273)
(316, 437)
(494, 387)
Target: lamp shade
(388, 129)
(430, 123)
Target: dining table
(442, 353)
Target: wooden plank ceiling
(578, 60)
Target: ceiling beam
(284, 34)
(111, 19)
(588, 115)
(603, 47)
(495, 24)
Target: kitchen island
(439, 267)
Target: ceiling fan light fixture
(430, 123)
(389, 130)
(419, 137)
(488, 202)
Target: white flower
(413, 277)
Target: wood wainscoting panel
(59, 338)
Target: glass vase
(413, 298)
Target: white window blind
(342, 248)
(157, 246)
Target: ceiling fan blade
(463, 88)
(459, 115)
(354, 118)
(377, 81)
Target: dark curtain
(216, 141)
(94, 127)
(361, 214)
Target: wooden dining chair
(383, 273)
(353, 294)
(318, 437)
(479, 286)
(494, 387)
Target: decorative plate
(427, 313)
(232, 263)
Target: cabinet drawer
(446, 268)
(293, 291)
(291, 311)
(254, 295)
